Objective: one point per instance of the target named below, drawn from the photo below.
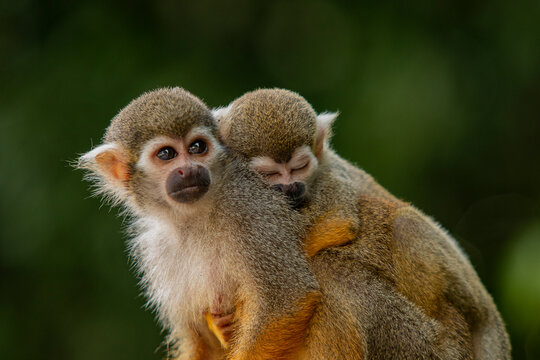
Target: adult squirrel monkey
(210, 237)
(361, 232)
(208, 233)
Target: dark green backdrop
(440, 101)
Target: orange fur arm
(283, 337)
(327, 233)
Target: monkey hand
(221, 324)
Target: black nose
(188, 184)
(294, 191)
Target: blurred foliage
(440, 101)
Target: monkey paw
(221, 325)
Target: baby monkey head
(158, 153)
(281, 135)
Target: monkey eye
(197, 147)
(166, 153)
(269, 173)
(301, 167)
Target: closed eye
(301, 167)
(268, 173)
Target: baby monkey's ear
(220, 112)
(107, 162)
(220, 115)
(324, 132)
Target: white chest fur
(182, 270)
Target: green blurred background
(440, 101)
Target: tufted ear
(324, 132)
(107, 162)
(220, 114)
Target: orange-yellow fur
(284, 337)
(215, 330)
(329, 231)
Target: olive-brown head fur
(260, 123)
(160, 112)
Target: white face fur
(298, 169)
(163, 156)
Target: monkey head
(158, 153)
(281, 135)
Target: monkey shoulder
(265, 230)
(421, 260)
(402, 239)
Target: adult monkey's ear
(108, 164)
(325, 121)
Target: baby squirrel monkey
(388, 240)
(207, 231)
